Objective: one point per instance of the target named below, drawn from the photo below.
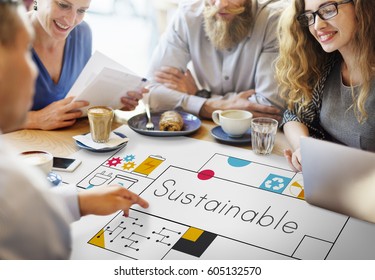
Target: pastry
(171, 121)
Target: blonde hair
(301, 61)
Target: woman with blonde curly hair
(326, 70)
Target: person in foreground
(231, 46)
(326, 72)
(34, 220)
(61, 49)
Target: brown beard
(225, 34)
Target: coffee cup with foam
(40, 159)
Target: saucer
(104, 150)
(218, 133)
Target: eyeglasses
(327, 11)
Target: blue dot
(236, 162)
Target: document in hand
(103, 82)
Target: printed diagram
(227, 201)
(138, 236)
(108, 173)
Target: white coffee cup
(235, 123)
(41, 159)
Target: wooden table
(60, 142)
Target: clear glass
(263, 135)
(100, 119)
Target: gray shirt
(249, 65)
(34, 221)
(337, 116)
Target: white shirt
(34, 220)
(249, 65)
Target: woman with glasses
(61, 49)
(326, 71)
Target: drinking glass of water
(263, 134)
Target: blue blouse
(77, 52)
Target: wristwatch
(203, 93)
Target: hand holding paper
(103, 82)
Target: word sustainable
(227, 209)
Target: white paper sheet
(103, 82)
(208, 190)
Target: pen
(142, 84)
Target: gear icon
(114, 161)
(128, 165)
(129, 158)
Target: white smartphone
(65, 164)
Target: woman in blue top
(61, 49)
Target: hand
(240, 101)
(294, 159)
(106, 200)
(258, 110)
(56, 115)
(175, 79)
(131, 100)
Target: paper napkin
(114, 140)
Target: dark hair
(9, 21)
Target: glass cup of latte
(100, 119)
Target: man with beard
(231, 46)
